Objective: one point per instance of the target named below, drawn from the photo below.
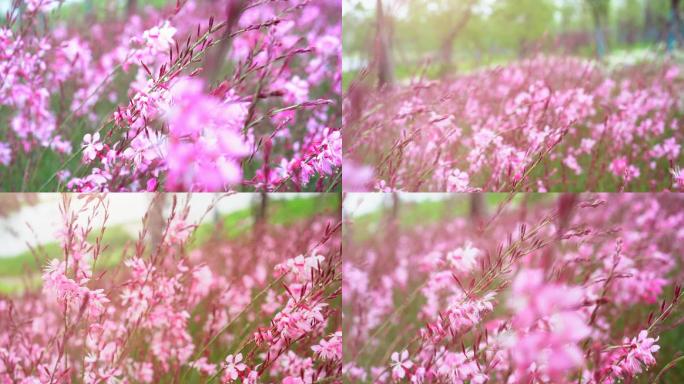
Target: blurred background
(29, 223)
(386, 233)
(444, 37)
(370, 212)
(92, 6)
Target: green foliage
(497, 30)
(516, 27)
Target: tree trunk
(214, 63)
(382, 47)
(157, 221)
(394, 215)
(446, 51)
(599, 36)
(566, 208)
(261, 213)
(131, 7)
(478, 210)
(674, 36)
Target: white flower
(463, 259)
(400, 364)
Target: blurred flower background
(544, 288)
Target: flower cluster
(545, 292)
(542, 124)
(172, 312)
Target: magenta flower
(205, 144)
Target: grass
(429, 212)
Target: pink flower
(677, 178)
(637, 354)
(37, 5)
(5, 153)
(571, 163)
(203, 281)
(457, 181)
(463, 259)
(301, 267)
(296, 90)
(356, 178)
(179, 231)
(400, 364)
(621, 168)
(587, 144)
(232, 367)
(206, 144)
(160, 37)
(548, 325)
(91, 146)
(330, 349)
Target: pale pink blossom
(160, 37)
(233, 366)
(91, 146)
(401, 365)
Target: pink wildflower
(401, 365)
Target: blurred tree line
(477, 32)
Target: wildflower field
(180, 95)
(538, 288)
(513, 95)
(253, 297)
(549, 123)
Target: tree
(261, 212)
(157, 220)
(599, 14)
(674, 33)
(214, 62)
(521, 23)
(478, 208)
(446, 51)
(131, 7)
(382, 46)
